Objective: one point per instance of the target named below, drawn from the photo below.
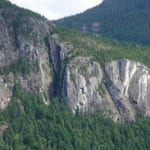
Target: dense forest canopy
(125, 20)
(33, 125)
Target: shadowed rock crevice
(57, 55)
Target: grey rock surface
(131, 81)
(18, 44)
(84, 90)
(120, 89)
(6, 86)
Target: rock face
(120, 89)
(24, 54)
(3, 129)
(81, 84)
(6, 86)
(84, 89)
(57, 54)
(128, 83)
(6, 49)
(29, 55)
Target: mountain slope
(61, 89)
(23, 55)
(88, 83)
(43, 59)
(123, 20)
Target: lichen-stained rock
(3, 128)
(39, 80)
(7, 53)
(81, 82)
(24, 53)
(128, 83)
(6, 86)
(120, 89)
(84, 90)
(126, 111)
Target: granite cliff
(32, 55)
(120, 88)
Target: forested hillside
(33, 115)
(125, 20)
(33, 125)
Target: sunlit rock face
(132, 81)
(120, 88)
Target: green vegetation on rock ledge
(18, 67)
(100, 49)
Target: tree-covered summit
(127, 20)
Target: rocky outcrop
(120, 89)
(3, 129)
(6, 86)
(24, 54)
(39, 79)
(7, 53)
(84, 89)
(128, 83)
(81, 82)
